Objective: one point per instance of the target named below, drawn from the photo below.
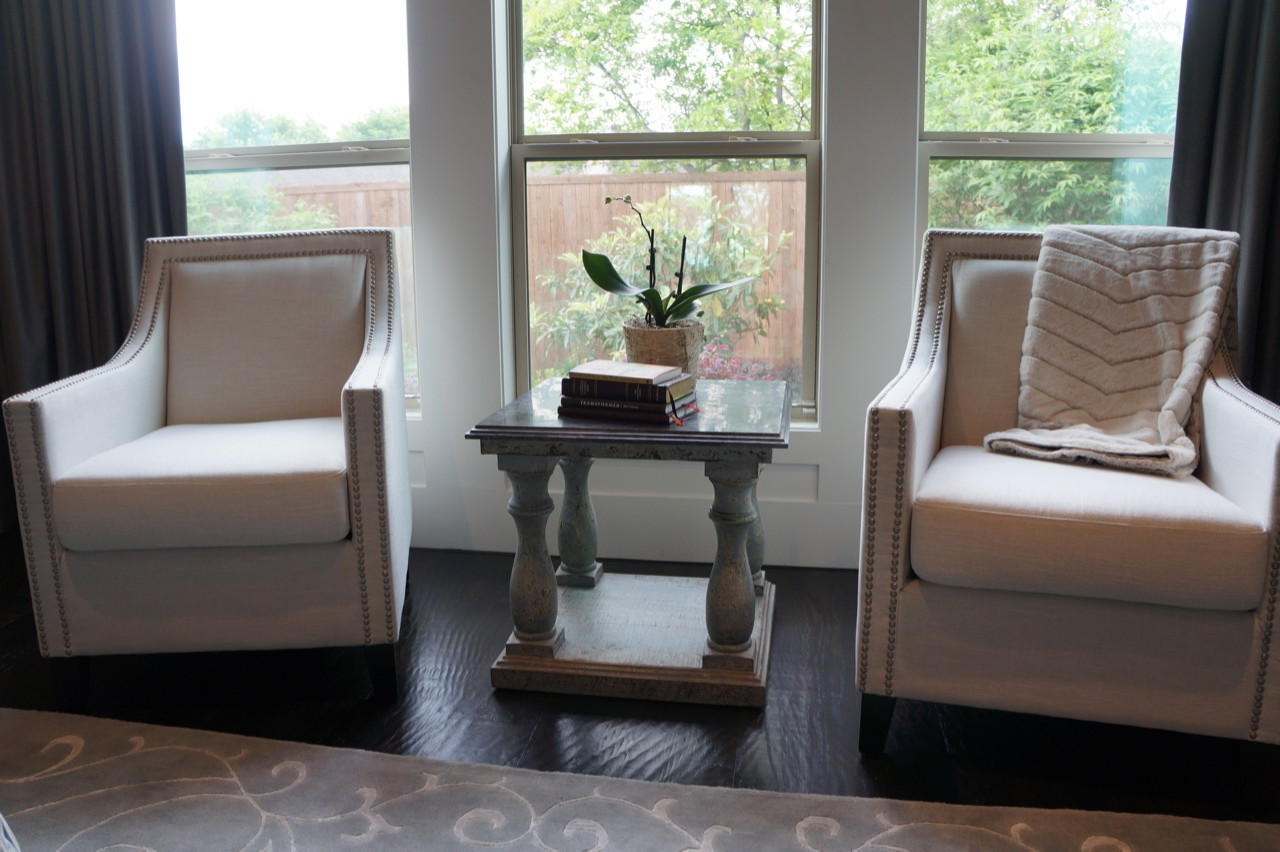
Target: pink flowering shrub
(718, 361)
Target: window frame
(801, 144)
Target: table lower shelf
(642, 637)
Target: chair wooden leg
(873, 725)
(1257, 767)
(70, 683)
(381, 662)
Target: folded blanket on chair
(1122, 325)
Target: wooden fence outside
(566, 212)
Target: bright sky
(332, 60)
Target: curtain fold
(1226, 161)
(90, 166)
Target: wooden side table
(579, 630)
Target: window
(704, 112)
(298, 121)
(1038, 112)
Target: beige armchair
(1066, 590)
(235, 477)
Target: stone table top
(736, 420)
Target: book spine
(614, 404)
(570, 410)
(605, 389)
(615, 414)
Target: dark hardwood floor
(456, 621)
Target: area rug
(76, 782)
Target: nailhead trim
(357, 516)
(869, 545)
(55, 563)
(895, 555)
(384, 509)
(24, 514)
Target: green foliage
(392, 123)
(642, 66)
(247, 128)
(1049, 66)
(232, 203)
(1029, 194)
(724, 244)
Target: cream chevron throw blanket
(1122, 325)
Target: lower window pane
(302, 199)
(1027, 194)
(742, 218)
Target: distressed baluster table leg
(533, 590)
(577, 534)
(755, 543)
(731, 597)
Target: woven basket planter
(678, 345)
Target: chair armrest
(55, 427)
(65, 422)
(1240, 444)
(1240, 459)
(373, 416)
(904, 427)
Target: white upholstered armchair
(1066, 590)
(235, 477)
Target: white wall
(810, 496)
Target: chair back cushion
(264, 337)
(989, 300)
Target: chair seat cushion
(210, 485)
(990, 521)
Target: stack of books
(620, 390)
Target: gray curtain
(90, 166)
(1225, 161)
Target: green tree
(232, 203)
(390, 123)
(246, 128)
(639, 66)
(1049, 66)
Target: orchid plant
(661, 311)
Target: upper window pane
(1052, 66)
(662, 66)
(291, 72)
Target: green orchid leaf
(654, 305)
(692, 294)
(600, 270)
(681, 309)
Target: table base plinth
(545, 648)
(580, 579)
(643, 637)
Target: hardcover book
(648, 417)
(624, 371)
(567, 401)
(676, 388)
